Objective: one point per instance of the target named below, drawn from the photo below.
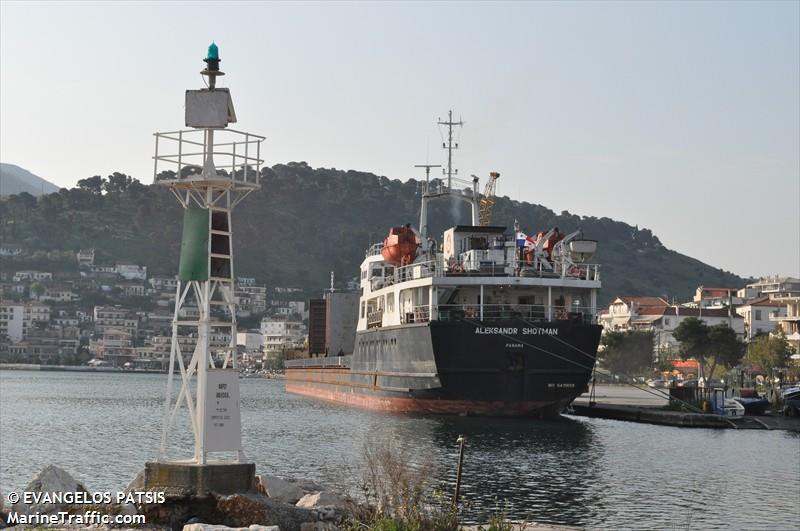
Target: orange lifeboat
(400, 246)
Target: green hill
(15, 180)
(305, 222)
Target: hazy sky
(680, 117)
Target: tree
(768, 352)
(725, 348)
(711, 346)
(117, 183)
(92, 184)
(628, 352)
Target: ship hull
(507, 367)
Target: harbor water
(581, 472)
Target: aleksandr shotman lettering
(512, 331)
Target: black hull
(509, 368)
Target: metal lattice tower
(209, 169)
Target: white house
(279, 334)
(132, 272)
(251, 340)
(757, 315)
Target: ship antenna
(423, 211)
(450, 146)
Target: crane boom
(487, 201)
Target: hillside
(305, 222)
(15, 180)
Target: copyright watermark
(65, 518)
(85, 498)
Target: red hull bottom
(408, 404)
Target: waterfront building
(280, 334)
(656, 314)
(115, 317)
(11, 320)
(757, 314)
(251, 340)
(115, 346)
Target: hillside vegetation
(305, 222)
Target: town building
(280, 334)
(85, 258)
(37, 276)
(115, 346)
(11, 320)
(789, 322)
(715, 298)
(131, 272)
(9, 249)
(758, 316)
(251, 340)
(771, 287)
(656, 314)
(115, 317)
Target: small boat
(733, 409)
(753, 404)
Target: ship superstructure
(483, 321)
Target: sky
(680, 117)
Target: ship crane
(487, 201)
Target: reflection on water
(590, 472)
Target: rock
(248, 509)
(318, 526)
(50, 479)
(213, 527)
(280, 489)
(318, 500)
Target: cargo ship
(489, 322)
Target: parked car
(658, 382)
(688, 383)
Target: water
(584, 472)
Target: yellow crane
(487, 201)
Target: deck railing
(495, 312)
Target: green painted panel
(194, 245)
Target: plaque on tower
(223, 419)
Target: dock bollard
(460, 442)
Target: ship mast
(450, 147)
(470, 196)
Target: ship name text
(513, 331)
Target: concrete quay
(628, 403)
